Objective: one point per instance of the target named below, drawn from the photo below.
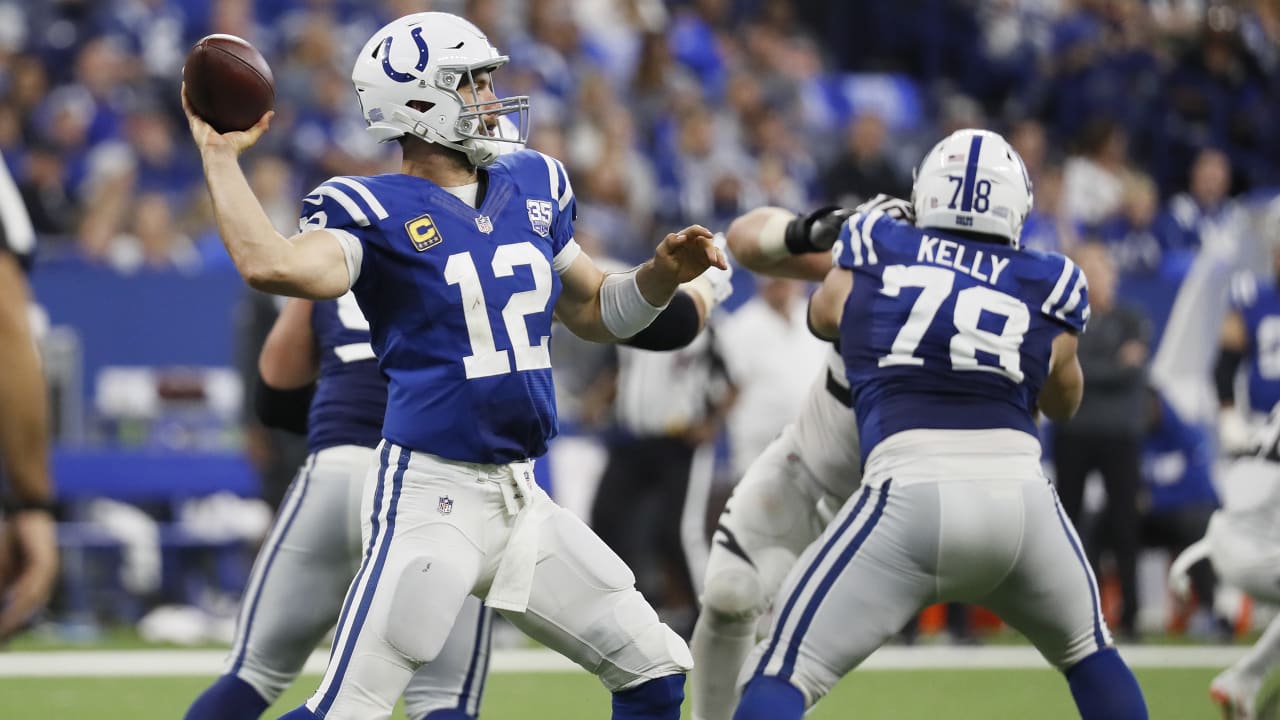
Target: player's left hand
(34, 533)
(207, 139)
(685, 255)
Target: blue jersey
(1177, 463)
(459, 301)
(351, 393)
(1259, 307)
(946, 332)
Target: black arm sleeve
(283, 409)
(675, 327)
(1224, 375)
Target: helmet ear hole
(421, 106)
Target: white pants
(1244, 557)
(904, 543)
(300, 576)
(437, 531)
(769, 520)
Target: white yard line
(188, 663)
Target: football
(229, 84)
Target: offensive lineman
(458, 263)
(953, 338)
(798, 482)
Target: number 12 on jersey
(935, 286)
(486, 359)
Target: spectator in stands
(1178, 498)
(1046, 227)
(1106, 434)
(28, 538)
(1093, 180)
(863, 168)
(1204, 214)
(1132, 234)
(154, 241)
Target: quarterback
(459, 262)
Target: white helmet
(973, 180)
(426, 57)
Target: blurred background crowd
(1147, 127)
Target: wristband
(13, 507)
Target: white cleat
(1235, 695)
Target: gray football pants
(299, 581)
(892, 550)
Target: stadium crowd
(1143, 123)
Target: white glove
(1234, 435)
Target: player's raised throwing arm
(616, 306)
(311, 264)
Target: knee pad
(733, 592)
(426, 596)
(651, 650)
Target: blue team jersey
(459, 301)
(1259, 307)
(1177, 463)
(946, 332)
(351, 393)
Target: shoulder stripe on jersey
(1060, 288)
(343, 199)
(855, 243)
(867, 243)
(1077, 294)
(379, 211)
(568, 191)
(554, 175)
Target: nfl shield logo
(540, 216)
(446, 505)
(484, 224)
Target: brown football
(229, 83)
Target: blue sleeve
(340, 203)
(856, 245)
(1067, 303)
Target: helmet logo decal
(423, 55)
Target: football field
(898, 683)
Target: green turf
(899, 695)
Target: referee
(651, 504)
(28, 534)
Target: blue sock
(299, 713)
(448, 714)
(658, 699)
(228, 697)
(770, 698)
(1105, 689)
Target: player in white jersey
(953, 338)
(1243, 544)
(798, 482)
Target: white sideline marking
(189, 663)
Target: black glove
(817, 231)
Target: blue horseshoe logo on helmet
(422, 58)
